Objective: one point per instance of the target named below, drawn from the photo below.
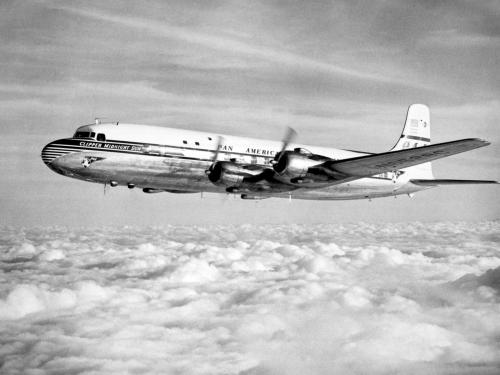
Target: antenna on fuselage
(98, 120)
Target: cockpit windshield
(83, 135)
(80, 134)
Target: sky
(251, 299)
(341, 73)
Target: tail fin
(417, 129)
(416, 133)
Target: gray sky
(341, 73)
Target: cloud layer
(318, 299)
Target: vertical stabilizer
(416, 133)
(417, 129)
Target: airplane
(159, 159)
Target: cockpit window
(101, 137)
(82, 135)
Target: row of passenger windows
(100, 136)
(149, 149)
(196, 143)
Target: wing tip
(437, 182)
(479, 141)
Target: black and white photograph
(228, 187)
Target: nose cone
(63, 157)
(53, 156)
(50, 152)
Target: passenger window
(92, 135)
(197, 143)
(101, 137)
(185, 142)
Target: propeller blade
(289, 137)
(220, 140)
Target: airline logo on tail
(417, 129)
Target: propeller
(287, 139)
(220, 140)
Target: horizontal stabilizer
(370, 165)
(423, 182)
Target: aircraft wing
(437, 182)
(370, 165)
(262, 182)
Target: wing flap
(370, 165)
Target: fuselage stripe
(109, 144)
(60, 149)
(415, 138)
(140, 148)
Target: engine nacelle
(226, 173)
(293, 164)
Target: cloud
(231, 45)
(248, 299)
(195, 271)
(454, 38)
(27, 299)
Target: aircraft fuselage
(174, 160)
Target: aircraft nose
(47, 154)
(51, 152)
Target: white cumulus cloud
(250, 299)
